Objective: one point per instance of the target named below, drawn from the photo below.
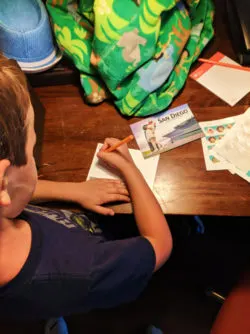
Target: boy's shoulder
(10, 266)
(95, 272)
(73, 236)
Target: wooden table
(182, 185)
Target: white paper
(231, 85)
(243, 175)
(235, 146)
(148, 167)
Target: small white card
(231, 85)
(148, 167)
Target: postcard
(166, 130)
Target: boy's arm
(46, 191)
(90, 194)
(149, 217)
(148, 214)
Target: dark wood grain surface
(182, 185)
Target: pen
(123, 141)
(212, 62)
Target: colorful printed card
(165, 131)
(214, 131)
(231, 85)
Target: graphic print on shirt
(66, 218)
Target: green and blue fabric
(138, 52)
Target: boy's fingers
(121, 191)
(104, 147)
(115, 182)
(116, 198)
(100, 156)
(107, 143)
(103, 155)
(104, 211)
(110, 141)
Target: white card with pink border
(229, 84)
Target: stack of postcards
(226, 144)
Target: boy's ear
(4, 196)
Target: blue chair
(56, 326)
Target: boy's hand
(94, 193)
(118, 158)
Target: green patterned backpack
(137, 52)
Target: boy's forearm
(148, 214)
(51, 191)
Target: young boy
(49, 265)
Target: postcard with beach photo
(166, 130)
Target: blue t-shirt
(73, 268)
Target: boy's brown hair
(14, 104)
